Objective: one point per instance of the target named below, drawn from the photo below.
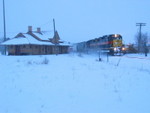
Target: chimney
(29, 28)
(39, 30)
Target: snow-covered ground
(74, 83)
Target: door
(17, 50)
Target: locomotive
(112, 44)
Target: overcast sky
(77, 20)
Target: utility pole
(54, 25)
(140, 34)
(55, 40)
(4, 22)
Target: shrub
(45, 61)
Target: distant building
(35, 43)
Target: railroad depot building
(35, 43)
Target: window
(24, 46)
(11, 47)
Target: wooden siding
(36, 49)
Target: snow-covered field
(74, 83)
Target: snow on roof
(28, 39)
(32, 40)
(16, 41)
(44, 35)
(65, 44)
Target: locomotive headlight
(115, 49)
(123, 49)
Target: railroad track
(136, 57)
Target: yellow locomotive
(113, 44)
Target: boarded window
(11, 47)
(24, 46)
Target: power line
(140, 25)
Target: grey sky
(77, 20)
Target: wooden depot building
(35, 43)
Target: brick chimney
(29, 28)
(39, 30)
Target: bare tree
(141, 41)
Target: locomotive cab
(117, 46)
(111, 44)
